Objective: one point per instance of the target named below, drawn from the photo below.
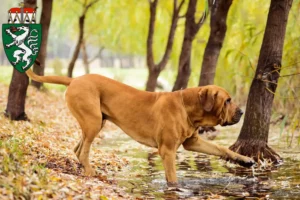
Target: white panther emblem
(19, 41)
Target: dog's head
(218, 108)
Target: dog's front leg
(196, 143)
(168, 156)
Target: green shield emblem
(21, 44)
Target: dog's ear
(207, 98)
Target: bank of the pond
(37, 159)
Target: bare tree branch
(150, 57)
(161, 65)
(180, 5)
(289, 75)
(202, 18)
(80, 37)
(86, 7)
(96, 55)
(92, 3)
(175, 6)
(155, 69)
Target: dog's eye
(228, 101)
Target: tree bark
(253, 137)
(77, 48)
(218, 29)
(184, 68)
(80, 37)
(85, 58)
(100, 57)
(191, 29)
(2, 57)
(45, 21)
(155, 69)
(151, 85)
(15, 108)
(152, 80)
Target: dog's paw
(241, 160)
(90, 172)
(246, 162)
(172, 184)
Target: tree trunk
(151, 83)
(45, 21)
(191, 29)
(15, 108)
(183, 75)
(2, 57)
(184, 69)
(253, 137)
(218, 28)
(77, 48)
(85, 58)
(155, 69)
(80, 37)
(152, 80)
(100, 57)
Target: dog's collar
(189, 119)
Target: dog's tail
(63, 80)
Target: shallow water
(200, 176)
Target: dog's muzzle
(236, 118)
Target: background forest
(116, 33)
(36, 157)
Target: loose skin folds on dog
(164, 120)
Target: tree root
(20, 117)
(258, 150)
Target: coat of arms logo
(21, 37)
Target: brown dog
(164, 120)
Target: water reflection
(200, 176)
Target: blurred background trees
(192, 26)
(155, 69)
(86, 5)
(218, 27)
(45, 21)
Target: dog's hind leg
(85, 106)
(89, 133)
(90, 126)
(78, 147)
